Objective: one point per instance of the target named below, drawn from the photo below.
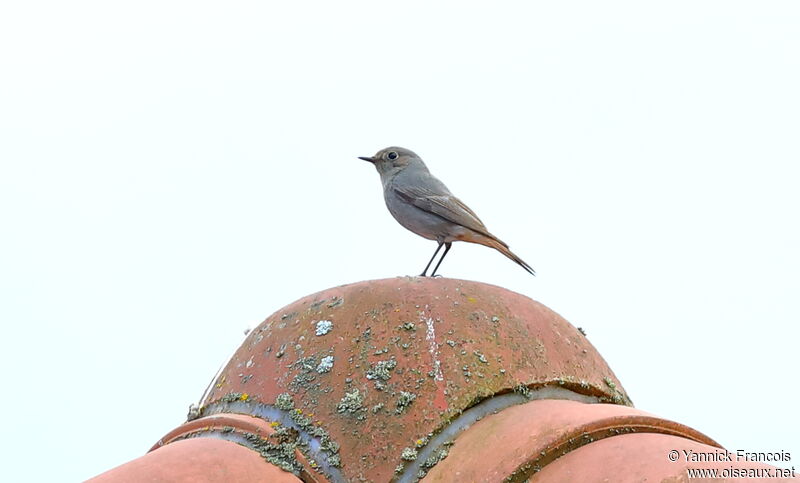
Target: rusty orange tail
(498, 245)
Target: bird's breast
(417, 220)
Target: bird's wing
(445, 205)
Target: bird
(424, 205)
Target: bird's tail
(502, 248)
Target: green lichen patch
(285, 434)
(408, 454)
(435, 458)
(329, 447)
(284, 402)
(316, 304)
(301, 419)
(335, 461)
(351, 402)
(194, 412)
(307, 372)
(280, 454)
(380, 372)
(404, 401)
(617, 396)
(305, 364)
(523, 390)
(335, 302)
(234, 397)
(411, 454)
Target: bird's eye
(392, 155)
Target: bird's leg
(446, 249)
(431, 260)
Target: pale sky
(172, 173)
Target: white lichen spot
(430, 336)
(249, 363)
(325, 365)
(324, 326)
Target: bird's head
(392, 159)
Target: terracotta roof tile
(401, 378)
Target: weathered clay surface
(519, 441)
(198, 460)
(416, 378)
(382, 365)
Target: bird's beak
(367, 158)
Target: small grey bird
(424, 205)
